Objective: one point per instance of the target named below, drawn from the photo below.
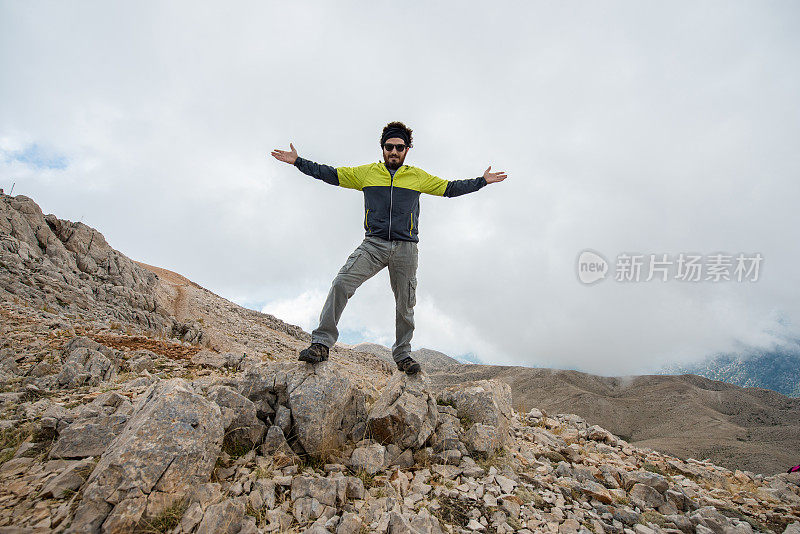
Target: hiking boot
(316, 353)
(408, 365)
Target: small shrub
(497, 459)
(651, 516)
(259, 515)
(367, 479)
(312, 462)
(449, 402)
(622, 500)
(166, 520)
(12, 438)
(514, 523)
(526, 495)
(466, 422)
(654, 469)
(235, 450)
(452, 511)
(263, 471)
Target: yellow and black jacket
(391, 200)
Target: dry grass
(12, 438)
(498, 459)
(165, 521)
(651, 516)
(173, 351)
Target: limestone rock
(405, 413)
(325, 405)
(209, 358)
(85, 366)
(88, 437)
(68, 480)
(645, 496)
(483, 401)
(275, 442)
(370, 458)
(243, 429)
(169, 446)
(222, 518)
(597, 433)
(482, 439)
(654, 480)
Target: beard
(393, 163)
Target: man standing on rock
(391, 222)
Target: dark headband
(395, 132)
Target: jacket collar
(383, 164)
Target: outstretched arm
(343, 176)
(433, 185)
(456, 188)
(326, 173)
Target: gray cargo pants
(372, 255)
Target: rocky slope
(684, 415)
(138, 401)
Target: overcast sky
(625, 127)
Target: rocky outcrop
(169, 446)
(87, 430)
(69, 266)
(243, 429)
(86, 362)
(165, 462)
(323, 408)
(484, 401)
(484, 408)
(405, 413)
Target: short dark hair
(396, 124)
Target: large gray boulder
(222, 518)
(88, 437)
(326, 406)
(243, 429)
(169, 446)
(484, 401)
(89, 429)
(405, 413)
(482, 439)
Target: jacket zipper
(366, 216)
(391, 188)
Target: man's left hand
(492, 177)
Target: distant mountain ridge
(778, 369)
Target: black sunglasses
(389, 147)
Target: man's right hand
(283, 155)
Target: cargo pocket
(412, 292)
(350, 262)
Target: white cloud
(302, 310)
(623, 127)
